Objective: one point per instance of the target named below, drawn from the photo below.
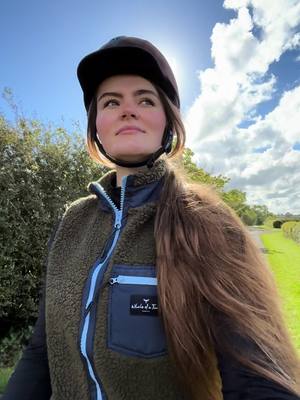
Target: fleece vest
(105, 337)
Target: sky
(237, 64)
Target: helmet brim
(100, 65)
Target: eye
(148, 101)
(109, 102)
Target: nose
(129, 111)
(126, 115)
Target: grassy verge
(284, 258)
(4, 376)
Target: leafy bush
(5, 374)
(269, 222)
(296, 233)
(291, 229)
(277, 223)
(12, 344)
(287, 228)
(41, 170)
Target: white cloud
(293, 43)
(230, 93)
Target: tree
(197, 174)
(248, 216)
(236, 200)
(262, 213)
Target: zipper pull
(112, 281)
(118, 220)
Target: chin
(132, 157)
(132, 153)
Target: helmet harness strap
(165, 148)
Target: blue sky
(42, 43)
(236, 62)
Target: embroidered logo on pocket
(143, 305)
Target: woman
(145, 234)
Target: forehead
(125, 82)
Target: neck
(123, 171)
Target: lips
(130, 128)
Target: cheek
(158, 122)
(102, 123)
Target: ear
(98, 136)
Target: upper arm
(241, 383)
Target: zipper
(86, 345)
(133, 280)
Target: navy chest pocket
(134, 325)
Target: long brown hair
(217, 294)
(216, 291)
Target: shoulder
(72, 209)
(82, 204)
(81, 213)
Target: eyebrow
(138, 92)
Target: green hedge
(269, 222)
(296, 233)
(41, 170)
(12, 344)
(287, 228)
(5, 374)
(277, 223)
(291, 230)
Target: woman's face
(132, 103)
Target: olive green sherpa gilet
(87, 228)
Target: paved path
(255, 232)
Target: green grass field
(284, 259)
(4, 376)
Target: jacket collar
(140, 188)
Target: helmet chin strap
(165, 148)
